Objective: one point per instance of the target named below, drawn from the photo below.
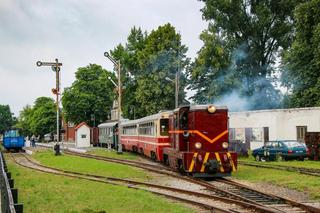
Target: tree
(162, 57)
(90, 95)
(6, 120)
(301, 70)
(248, 37)
(24, 120)
(130, 69)
(146, 60)
(43, 116)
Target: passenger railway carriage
(108, 134)
(191, 139)
(148, 135)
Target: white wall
(80, 133)
(282, 123)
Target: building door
(301, 132)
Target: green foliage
(302, 62)
(43, 119)
(90, 94)
(240, 46)
(39, 119)
(6, 119)
(24, 120)
(146, 61)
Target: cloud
(77, 33)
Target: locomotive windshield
(164, 127)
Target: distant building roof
(80, 125)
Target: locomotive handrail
(9, 195)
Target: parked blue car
(284, 149)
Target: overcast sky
(77, 32)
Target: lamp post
(119, 88)
(56, 68)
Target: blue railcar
(13, 140)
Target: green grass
(84, 165)
(113, 154)
(294, 163)
(292, 180)
(40, 192)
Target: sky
(77, 33)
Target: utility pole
(119, 88)
(56, 68)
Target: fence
(9, 195)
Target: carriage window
(147, 129)
(164, 127)
(129, 130)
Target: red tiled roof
(80, 125)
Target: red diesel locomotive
(191, 139)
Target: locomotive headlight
(211, 109)
(225, 145)
(198, 145)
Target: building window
(301, 132)
(83, 136)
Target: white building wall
(282, 123)
(83, 136)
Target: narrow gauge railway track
(234, 191)
(241, 206)
(305, 171)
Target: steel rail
(203, 183)
(110, 180)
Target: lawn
(85, 165)
(294, 163)
(292, 180)
(113, 154)
(40, 192)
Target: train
(12, 139)
(190, 139)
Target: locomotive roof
(202, 107)
(146, 119)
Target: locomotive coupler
(212, 166)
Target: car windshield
(291, 144)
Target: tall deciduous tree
(247, 37)
(90, 97)
(130, 69)
(147, 59)
(39, 119)
(301, 73)
(24, 120)
(43, 118)
(6, 120)
(163, 56)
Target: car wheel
(257, 157)
(263, 159)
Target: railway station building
(253, 128)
